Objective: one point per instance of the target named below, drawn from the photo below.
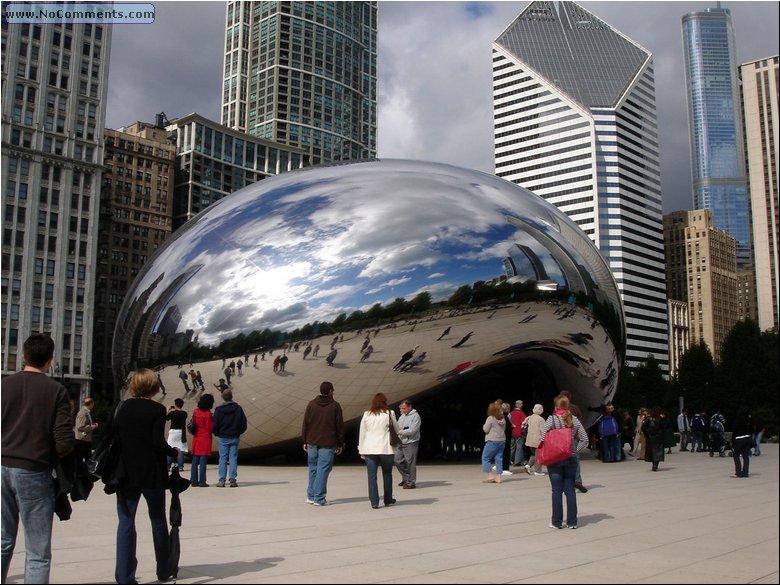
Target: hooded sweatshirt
(229, 420)
(323, 423)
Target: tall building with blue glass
(575, 123)
(715, 124)
(303, 74)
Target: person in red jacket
(201, 440)
(517, 416)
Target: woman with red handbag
(563, 473)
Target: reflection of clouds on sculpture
(307, 247)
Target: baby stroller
(718, 441)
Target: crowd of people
(39, 431)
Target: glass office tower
(717, 148)
(575, 123)
(303, 74)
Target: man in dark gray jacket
(229, 425)
(37, 429)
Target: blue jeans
(757, 438)
(373, 463)
(126, 507)
(610, 447)
(198, 469)
(493, 449)
(29, 495)
(320, 460)
(562, 482)
(228, 452)
(180, 462)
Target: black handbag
(105, 459)
(394, 439)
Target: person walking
(37, 430)
(534, 429)
(140, 427)
(495, 438)
(201, 440)
(742, 431)
(323, 436)
(375, 449)
(563, 474)
(229, 424)
(517, 454)
(406, 450)
(653, 431)
(84, 429)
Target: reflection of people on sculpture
(331, 356)
(580, 338)
(446, 332)
(464, 340)
(529, 318)
(412, 363)
(306, 351)
(367, 353)
(316, 350)
(459, 369)
(406, 357)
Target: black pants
(83, 449)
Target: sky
(435, 78)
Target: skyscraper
(303, 74)
(714, 121)
(701, 271)
(762, 140)
(54, 80)
(575, 122)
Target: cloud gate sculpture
(403, 277)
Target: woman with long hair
(140, 426)
(495, 439)
(201, 441)
(563, 474)
(375, 449)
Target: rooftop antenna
(160, 120)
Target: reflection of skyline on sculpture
(385, 244)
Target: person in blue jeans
(323, 436)
(140, 426)
(495, 440)
(563, 474)
(229, 424)
(37, 429)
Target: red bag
(556, 447)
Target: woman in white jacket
(375, 449)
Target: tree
(696, 376)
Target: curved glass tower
(717, 148)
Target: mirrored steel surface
(358, 265)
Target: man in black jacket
(229, 425)
(37, 429)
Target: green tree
(696, 376)
(460, 296)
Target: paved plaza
(688, 523)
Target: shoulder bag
(556, 446)
(105, 459)
(394, 439)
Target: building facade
(303, 74)
(575, 122)
(701, 265)
(54, 80)
(762, 131)
(136, 211)
(714, 121)
(679, 334)
(212, 161)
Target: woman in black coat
(653, 430)
(140, 425)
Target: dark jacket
(36, 421)
(323, 423)
(229, 420)
(141, 427)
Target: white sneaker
(308, 501)
(539, 473)
(527, 469)
(506, 472)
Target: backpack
(608, 426)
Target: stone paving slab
(688, 523)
